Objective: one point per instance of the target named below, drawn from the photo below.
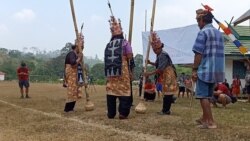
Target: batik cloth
(73, 90)
(120, 85)
(167, 73)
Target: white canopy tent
(178, 43)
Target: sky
(48, 24)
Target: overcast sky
(48, 25)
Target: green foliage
(9, 68)
(138, 59)
(45, 68)
(100, 82)
(97, 72)
(183, 69)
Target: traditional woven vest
(113, 58)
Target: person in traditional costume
(164, 71)
(117, 56)
(72, 61)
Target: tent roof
(242, 18)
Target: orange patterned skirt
(169, 81)
(73, 90)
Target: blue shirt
(210, 44)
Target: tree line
(45, 67)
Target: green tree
(138, 59)
(97, 73)
(15, 54)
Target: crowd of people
(207, 73)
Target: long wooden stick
(141, 108)
(148, 49)
(89, 105)
(145, 20)
(74, 17)
(131, 21)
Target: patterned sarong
(169, 81)
(73, 90)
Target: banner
(178, 43)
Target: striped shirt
(210, 44)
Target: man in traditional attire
(164, 71)
(117, 56)
(72, 65)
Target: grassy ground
(41, 118)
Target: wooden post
(74, 17)
(141, 108)
(131, 21)
(89, 106)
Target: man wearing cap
(117, 56)
(165, 72)
(23, 77)
(208, 67)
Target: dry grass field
(41, 118)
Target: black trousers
(149, 96)
(69, 106)
(131, 96)
(140, 90)
(167, 102)
(123, 108)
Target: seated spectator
(222, 95)
(149, 90)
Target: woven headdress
(156, 42)
(115, 26)
(81, 40)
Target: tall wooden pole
(131, 21)
(145, 20)
(89, 106)
(141, 108)
(74, 17)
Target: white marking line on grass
(102, 127)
